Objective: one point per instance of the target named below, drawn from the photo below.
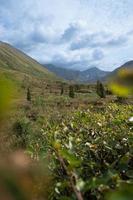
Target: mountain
(127, 65)
(93, 74)
(16, 62)
(67, 74)
(90, 75)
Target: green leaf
(124, 193)
(71, 158)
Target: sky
(77, 34)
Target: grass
(87, 138)
(77, 148)
(13, 59)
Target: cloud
(74, 33)
(73, 30)
(70, 32)
(84, 41)
(78, 59)
(118, 41)
(98, 40)
(98, 54)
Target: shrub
(121, 99)
(91, 152)
(71, 91)
(100, 90)
(21, 129)
(62, 90)
(28, 94)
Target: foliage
(7, 92)
(23, 179)
(71, 91)
(100, 90)
(122, 83)
(121, 99)
(21, 129)
(62, 90)
(90, 153)
(28, 94)
(124, 192)
(88, 149)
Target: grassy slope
(24, 72)
(14, 61)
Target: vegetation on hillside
(100, 89)
(54, 146)
(13, 59)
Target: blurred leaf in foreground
(23, 179)
(122, 83)
(7, 93)
(124, 193)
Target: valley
(77, 133)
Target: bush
(28, 94)
(21, 129)
(90, 152)
(62, 90)
(121, 99)
(100, 90)
(71, 91)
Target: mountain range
(90, 75)
(87, 76)
(17, 64)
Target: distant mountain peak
(91, 74)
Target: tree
(100, 90)
(62, 90)
(28, 94)
(71, 91)
(77, 87)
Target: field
(83, 145)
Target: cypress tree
(100, 90)
(71, 91)
(62, 90)
(28, 94)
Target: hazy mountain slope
(68, 74)
(91, 75)
(127, 65)
(13, 59)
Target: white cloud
(76, 33)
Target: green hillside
(14, 61)
(128, 65)
(60, 140)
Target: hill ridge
(12, 58)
